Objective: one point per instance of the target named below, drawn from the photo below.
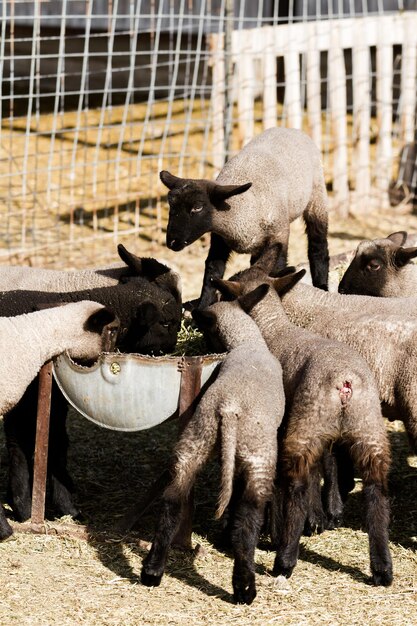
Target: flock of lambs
(297, 403)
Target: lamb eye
(373, 266)
(196, 209)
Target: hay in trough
(190, 341)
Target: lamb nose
(172, 243)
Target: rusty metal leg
(41, 445)
(189, 390)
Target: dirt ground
(58, 579)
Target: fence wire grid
(97, 97)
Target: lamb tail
(228, 443)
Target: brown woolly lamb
(331, 396)
(382, 267)
(241, 411)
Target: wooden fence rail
(254, 55)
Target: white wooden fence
(254, 56)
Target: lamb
(287, 181)
(149, 308)
(241, 410)
(330, 396)
(382, 330)
(30, 278)
(150, 317)
(382, 267)
(84, 329)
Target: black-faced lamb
(149, 308)
(331, 396)
(150, 317)
(39, 279)
(241, 411)
(84, 329)
(277, 177)
(382, 267)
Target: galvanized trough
(130, 392)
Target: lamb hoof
(314, 527)
(6, 531)
(244, 594)
(150, 580)
(383, 578)
(21, 512)
(282, 570)
(80, 517)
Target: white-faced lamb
(331, 396)
(241, 411)
(382, 267)
(84, 329)
(149, 307)
(274, 179)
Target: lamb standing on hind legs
(330, 396)
(242, 410)
(277, 177)
(84, 329)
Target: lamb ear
(403, 256)
(171, 282)
(228, 288)
(170, 180)
(219, 193)
(249, 300)
(285, 283)
(145, 266)
(284, 272)
(204, 318)
(399, 238)
(98, 320)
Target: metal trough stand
(189, 374)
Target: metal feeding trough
(125, 392)
(130, 392)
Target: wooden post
(384, 152)
(270, 80)
(337, 96)
(293, 85)
(216, 43)
(314, 89)
(245, 90)
(408, 78)
(361, 118)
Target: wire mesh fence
(98, 96)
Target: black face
(192, 203)
(190, 212)
(364, 275)
(153, 330)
